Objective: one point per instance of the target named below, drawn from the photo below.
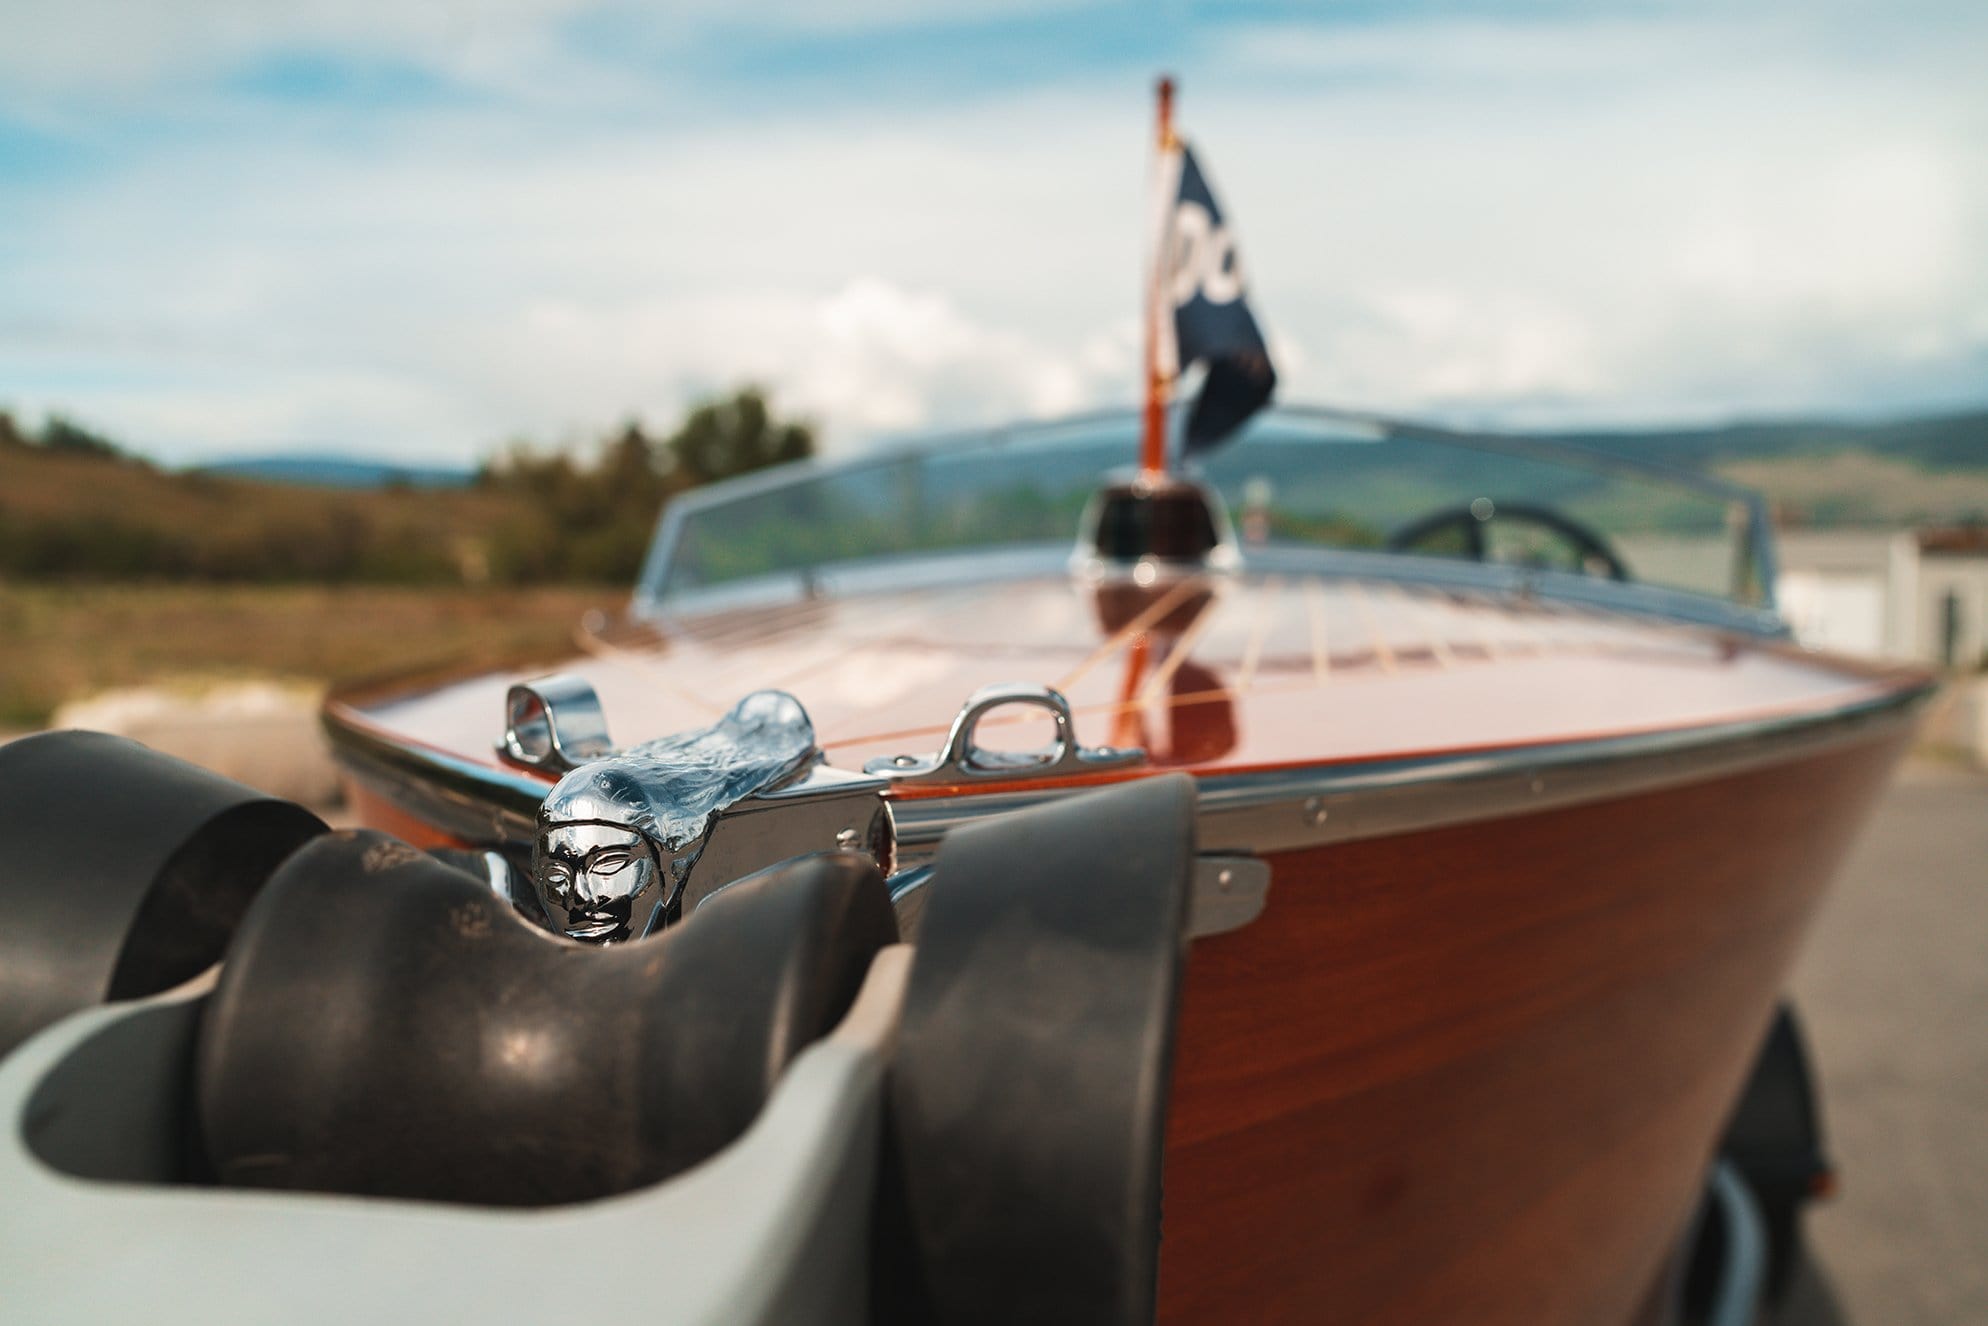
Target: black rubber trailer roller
(1028, 1096)
(123, 872)
(385, 1025)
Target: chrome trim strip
(1307, 808)
(474, 802)
(1294, 809)
(1258, 813)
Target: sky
(419, 231)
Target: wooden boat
(1540, 846)
(1371, 908)
(1494, 825)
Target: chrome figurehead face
(596, 880)
(619, 836)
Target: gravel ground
(1894, 988)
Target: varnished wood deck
(1216, 676)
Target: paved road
(1894, 987)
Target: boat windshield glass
(1300, 486)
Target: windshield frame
(1754, 551)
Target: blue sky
(232, 226)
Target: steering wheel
(1592, 552)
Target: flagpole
(1153, 442)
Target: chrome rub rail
(1261, 812)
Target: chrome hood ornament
(619, 835)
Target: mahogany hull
(1476, 1073)
(1538, 877)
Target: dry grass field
(64, 516)
(63, 642)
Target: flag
(1201, 282)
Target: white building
(1917, 594)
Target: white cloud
(62, 56)
(60, 53)
(1626, 219)
(868, 358)
(472, 288)
(1874, 223)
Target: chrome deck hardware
(629, 841)
(965, 761)
(1230, 891)
(1147, 528)
(554, 723)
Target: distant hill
(338, 472)
(1935, 442)
(73, 504)
(1817, 473)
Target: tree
(60, 434)
(591, 518)
(735, 435)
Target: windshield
(1297, 484)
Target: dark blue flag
(1211, 319)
